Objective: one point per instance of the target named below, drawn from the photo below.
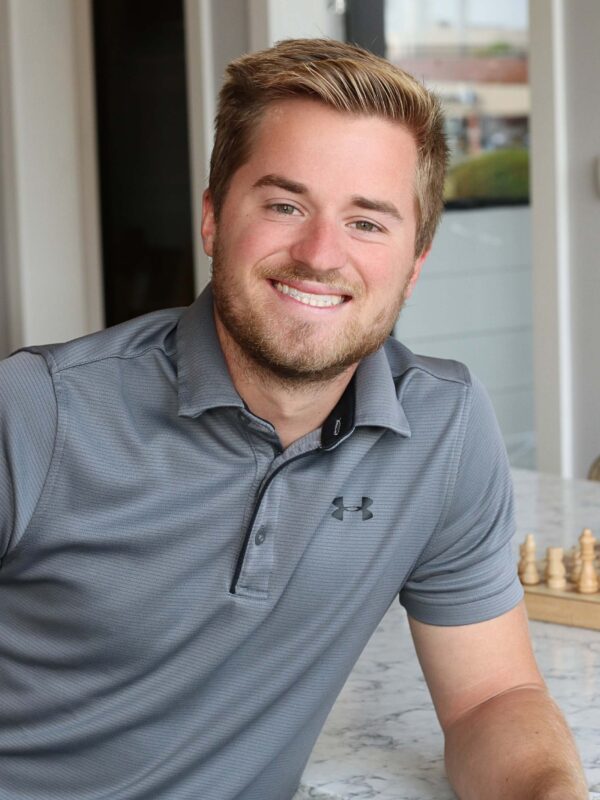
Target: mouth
(314, 299)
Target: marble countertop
(382, 739)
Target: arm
(505, 737)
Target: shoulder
(128, 340)
(28, 421)
(427, 376)
(431, 390)
(444, 396)
(21, 375)
(27, 398)
(406, 365)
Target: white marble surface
(382, 739)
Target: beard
(287, 349)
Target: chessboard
(562, 588)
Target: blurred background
(106, 110)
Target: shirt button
(260, 537)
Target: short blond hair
(346, 78)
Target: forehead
(305, 135)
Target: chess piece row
(582, 573)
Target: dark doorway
(365, 25)
(144, 156)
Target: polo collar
(204, 382)
(370, 399)
(377, 401)
(202, 374)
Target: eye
(366, 227)
(287, 209)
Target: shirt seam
(464, 381)
(57, 389)
(122, 356)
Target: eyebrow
(281, 183)
(377, 205)
(382, 206)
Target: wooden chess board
(566, 606)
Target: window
(474, 55)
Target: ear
(209, 224)
(415, 273)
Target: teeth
(318, 300)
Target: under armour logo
(364, 508)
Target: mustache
(302, 272)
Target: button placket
(259, 558)
(255, 562)
(256, 566)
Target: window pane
(474, 54)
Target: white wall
(49, 253)
(215, 34)
(582, 32)
(473, 304)
(4, 307)
(272, 20)
(565, 72)
(4, 338)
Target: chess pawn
(588, 580)
(530, 574)
(556, 569)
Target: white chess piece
(557, 574)
(588, 579)
(530, 574)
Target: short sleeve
(467, 572)
(28, 419)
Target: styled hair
(346, 78)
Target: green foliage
(496, 50)
(498, 175)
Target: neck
(294, 406)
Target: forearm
(515, 746)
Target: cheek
(388, 293)
(259, 242)
(386, 276)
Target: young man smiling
(205, 513)
(317, 256)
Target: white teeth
(318, 300)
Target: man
(205, 513)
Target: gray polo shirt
(180, 600)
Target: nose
(320, 245)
